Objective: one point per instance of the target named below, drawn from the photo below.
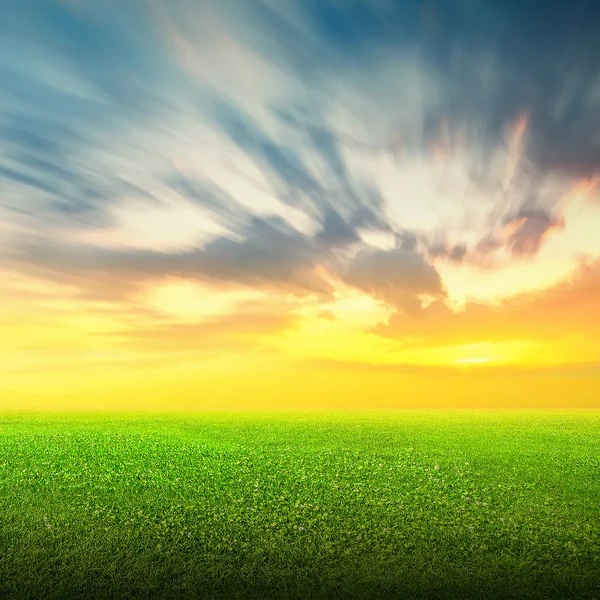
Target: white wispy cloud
(254, 141)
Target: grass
(300, 506)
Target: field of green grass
(365, 506)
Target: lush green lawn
(300, 506)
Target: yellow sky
(180, 344)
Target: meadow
(300, 506)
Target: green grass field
(300, 506)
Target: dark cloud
(27, 180)
(406, 241)
(505, 58)
(335, 231)
(210, 197)
(283, 164)
(457, 253)
(487, 245)
(398, 276)
(454, 253)
(267, 253)
(270, 253)
(530, 229)
(343, 190)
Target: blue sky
(105, 103)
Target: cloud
(559, 312)
(269, 253)
(335, 231)
(73, 82)
(529, 228)
(487, 245)
(209, 196)
(454, 253)
(296, 127)
(265, 252)
(397, 276)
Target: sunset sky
(295, 204)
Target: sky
(299, 204)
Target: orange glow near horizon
(187, 346)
